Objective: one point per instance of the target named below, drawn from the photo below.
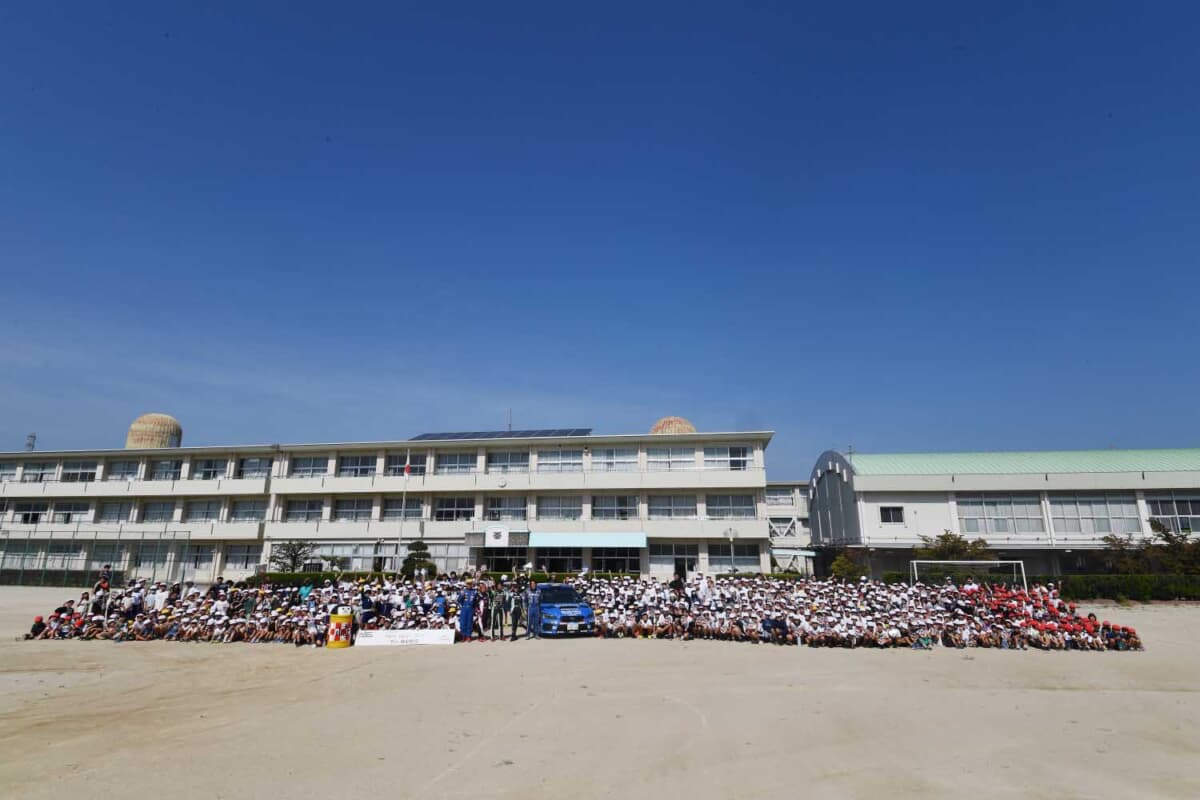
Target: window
(29, 513)
(243, 556)
(1000, 516)
(665, 554)
(782, 526)
(395, 464)
(8, 471)
(304, 510)
(730, 506)
(744, 558)
(560, 461)
(150, 554)
(208, 469)
(166, 470)
(1094, 515)
(104, 553)
(560, 559)
(455, 463)
(503, 559)
(614, 506)
(672, 506)
(248, 511)
(560, 506)
(79, 472)
(780, 496)
(254, 468)
(616, 559)
(506, 507)
(114, 512)
(615, 459)
(662, 459)
(454, 508)
(202, 511)
(353, 509)
(309, 466)
(395, 508)
(198, 556)
(891, 515)
(121, 471)
(67, 512)
(508, 461)
(63, 555)
(20, 553)
(38, 472)
(356, 466)
(737, 457)
(158, 511)
(1175, 511)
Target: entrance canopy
(793, 552)
(587, 539)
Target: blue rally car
(564, 612)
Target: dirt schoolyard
(588, 718)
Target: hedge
(1131, 587)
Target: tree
(291, 556)
(849, 565)
(1176, 553)
(417, 559)
(1166, 551)
(952, 547)
(340, 563)
(1124, 556)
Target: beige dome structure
(154, 430)
(673, 425)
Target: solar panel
(539, 433)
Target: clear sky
(898, 226)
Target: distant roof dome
(154, 430)
(673, 425)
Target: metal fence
(48, 556)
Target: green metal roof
(1027, 463)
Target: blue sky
(902, 227)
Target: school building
(1050, 509)
(673, 500)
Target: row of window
(64, 512)
(604, 459)
(515, 507)
(311, 509)
(1089, 513)
(204, 469)
(32, 554)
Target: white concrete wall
(925, 514)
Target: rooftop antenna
(510, 420)
(850, 453)
(31, 441)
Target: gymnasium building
(1050, 509)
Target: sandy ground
(589, 718)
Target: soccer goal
(933, 572)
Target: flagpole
(403, 510)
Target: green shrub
(1133, 587)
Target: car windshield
(560, 594)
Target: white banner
(393, 638)
(495, 536)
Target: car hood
(581, 608)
